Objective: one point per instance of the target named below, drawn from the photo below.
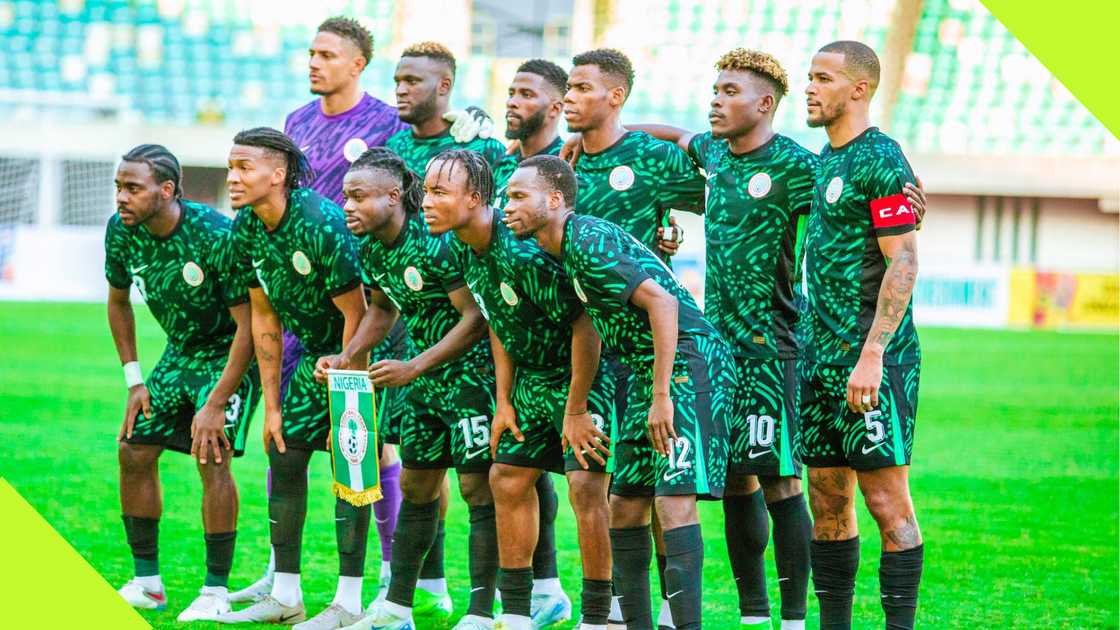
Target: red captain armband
(893, 211)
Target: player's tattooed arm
(579, 431)
(898, 285)
(505, 416)
(468, 331)
(901, 252)
(208, 436)
(122, 324)
(661, 308)
(268, 347)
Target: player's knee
(421, 486)
(886, 506)
(676, 511)
(587, 494)
(776, 489)
(475, 489)
(510, 484)
(740, 485)
(629, 511)
(214, 473)
(137, 459)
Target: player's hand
(505, 419)
(329, 362)
(273, 432)
(138, 401)
(393, 373)
(572, 149)
(585, 439)
(660, 423)
(863, 384)
(470, 123)
(673, 244)
(208, 433)
(916, 195)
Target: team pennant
(353, 439)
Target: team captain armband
(893, 211)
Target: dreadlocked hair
(384, 160)
(164, 164)
(296, 165)
(480, 178)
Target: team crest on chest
(353, 438)
(579, 290)
(353, 149)
(834, 190)
(412, 279)
(759, 185)
(192, 274)
(300, 263)
(621, 178)
(508, 294)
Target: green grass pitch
(1015, 479)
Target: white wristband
(132, 375)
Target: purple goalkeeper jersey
(331, 143)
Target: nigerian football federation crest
(759, 185)
(300, 263)
(353, 149)
(508, 294)
(834, 190)
(621, 178)
(192, 274)
(353, 437)
(413, 279)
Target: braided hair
(384, 160)
(164, 164)
(298, 168)
(480, 178)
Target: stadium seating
(969, 86)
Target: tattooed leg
(887, 494)
(832, 498)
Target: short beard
(529, 126)
(421, 112)
(826, 118)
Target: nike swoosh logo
(382, 521)
(477, 588)
(754, 455)
(868, 450)
(159, 597)
(284, 618)
(672, 476)
(257, 263)
(675, 594)
(473, 454)
(140, 268)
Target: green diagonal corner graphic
(39, 564)
(1075, 41)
